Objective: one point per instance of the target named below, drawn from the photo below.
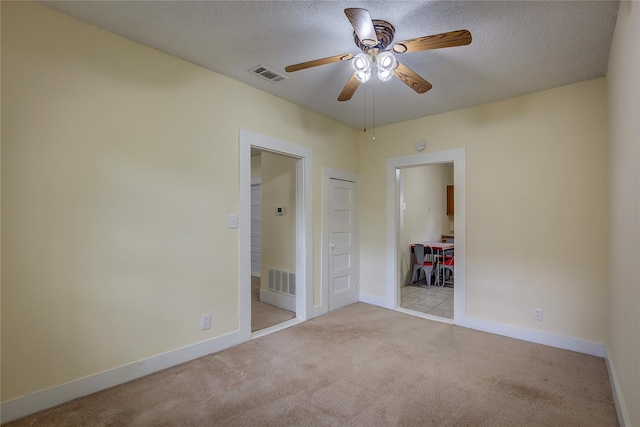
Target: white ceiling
(518, 47)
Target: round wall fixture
(420, 145)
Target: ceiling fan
(373, 36)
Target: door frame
(457, 157)
(257, 182)
(304, 224)
(328, 174)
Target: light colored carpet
(360, 366)
(264, 315)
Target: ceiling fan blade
(349, 88)
(363, 25)
(316, 62)
(411, 78)
(436, 41)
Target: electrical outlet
(537, 314)
(205, 322)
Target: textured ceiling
(518, 47)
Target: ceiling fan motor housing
(384, 32)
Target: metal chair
(448, 264)
(424, 260)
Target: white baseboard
(275, 328)
(530, 335)
(287, 302)
(425, 315)
(539, 337)
(38, 401)
(621, 409)
(373, 300)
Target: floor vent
(282, 281)
(267, 73)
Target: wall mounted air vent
(267, 73)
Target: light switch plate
(233, 221)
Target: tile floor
(264, 315)
(434, 300)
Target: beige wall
(424, 193)
(623, 83)
(536, 173)
(119, 171)
(278, 231)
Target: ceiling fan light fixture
(361, 63)
(362, 67)
(386, 61)
(384, 75)
(363, 76)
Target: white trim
(374, 300)
(41, 400)
(244, 235)
(457, 157)
(327, 174)
(275, 328)
(621, 409)
(284, 301)
(304, 233)
(538, 337)
(256, 182)
(425, 315)
(304, 224)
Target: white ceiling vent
(267, 73)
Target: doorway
(301, 236)
(394, 249)
(273, 229)
(426, 217)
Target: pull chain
(374, 114)
(364, 118)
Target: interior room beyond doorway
(273, 238)
(427, 218)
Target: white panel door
(256, 226)
(342, 285)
